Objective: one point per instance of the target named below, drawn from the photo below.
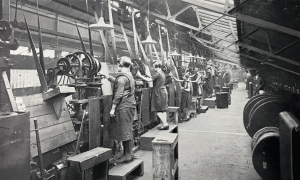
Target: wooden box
(147, 138)
(165, 157)
(210, 102)
(95, 160)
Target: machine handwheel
(64, 65)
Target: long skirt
(159, 99)
(121, 124)
(186, 100)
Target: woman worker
(186, 98)
(159, 98)
(123, 108)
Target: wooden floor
(213, 146)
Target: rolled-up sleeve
(120, 91)
(111, 79)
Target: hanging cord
(90, 33)
(81, 41)
(40, 40)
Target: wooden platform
(147, 138)
(203, 109)
(125, 171)
(210, 102)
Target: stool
(198, 108)
(165, 157)
(174, 111)
(193, 111)
(94, 163)
(226, 89)
(217, 88)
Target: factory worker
(159, 98)
(123, 108)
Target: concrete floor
(213, 146)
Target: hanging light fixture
(175, 53)
(190, 55)
(149, 39)
(101, 25)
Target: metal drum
(266, 114)
(249, 106)
(266, 153)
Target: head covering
(125, 60)
(210, 62)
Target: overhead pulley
(138, 65)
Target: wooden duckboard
(124, 170)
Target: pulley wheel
(266, 156)
(94, 65)
(75, 63)
(87, 63)
(98, 65)
(265, 115)
(64, 65)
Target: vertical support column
(57, 52)
(112, 34)
(4, 52)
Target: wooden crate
(95, 161)
(210, 102)
(165, 157)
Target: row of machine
(272, 121)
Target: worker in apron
(186, 97)
(123, 108)
(159, 98)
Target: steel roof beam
(267, 53)
(216, 23)
(212, 17)
(166, 18)
(245, 18)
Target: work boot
(125, 159)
